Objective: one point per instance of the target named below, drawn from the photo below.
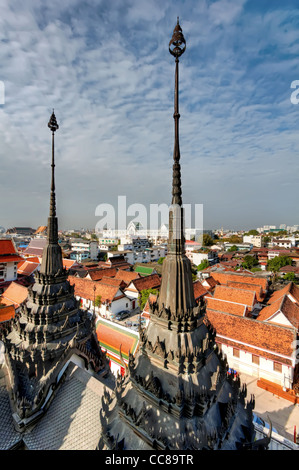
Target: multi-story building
(9, 259)
(89, 248)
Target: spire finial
(177, 44)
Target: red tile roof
(126, 276)
(152, 281)
(226, 307)
(85, 288)
(7, 247)
(98, 273)
(284, 305)
(290, 289)
(232, 294)
(15, 294)
(7, 313)
(265, 339)
(223, 278)
(199, 290)
(245, 285)
(27, 268)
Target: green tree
(203, 265)
(278, 262)
(160, 260)
(289, 276)
(98, 301)
(233, 248)
(249, 262)
(144, 295)
(207, 240)
(252, 232)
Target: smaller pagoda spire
(52, 256)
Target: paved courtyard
(283, 414)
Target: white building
(86, 246)
(255, 240)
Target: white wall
(263, 370)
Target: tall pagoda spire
(52, 255)
(176, 394)
(177, 286)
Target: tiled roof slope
(85, 288)
(72, 421)
(245, 285)
(98, 273)
(226, 307)
(284, 305)
(7, 247)
(265, 339)
(232, 294)
(152, 281)
(223, 278)
(290, 289)
(126, 276)
(27, 268)
(7, 313)
(15, 294)
(199, 290)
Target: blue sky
(106, 69)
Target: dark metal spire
(176, 292)
(52, 124)
(177, 46)
(52, 256)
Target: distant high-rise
(177, 394)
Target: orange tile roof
(233, 294)
(15, 294)
(267, 339)
(223, 278)
(98, 273)
(27, 268)
(199, 290)
(7, 247)
(290, 288)
(226, 307)
(85, 288)
(212, 282)
(126, 276)
(7, 313)
(284, 305)
(152, 281)
(245, 285)
(68, 263)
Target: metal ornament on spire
(177, 44)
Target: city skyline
(107, 73)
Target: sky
(105, 68)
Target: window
(255, 359)
(277, 367)
(236, 352)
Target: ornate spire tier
(49, 329)
(176, 393)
